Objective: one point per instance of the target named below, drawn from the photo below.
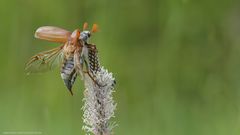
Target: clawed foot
(94, 79)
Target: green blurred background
(176, 63)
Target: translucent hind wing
(45, 61)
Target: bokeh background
(176, 63)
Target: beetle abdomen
(68, 73)
(93, 61)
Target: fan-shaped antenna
(94, 28)
(85, 26)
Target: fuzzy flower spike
(98, 101)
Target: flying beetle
(72, 54)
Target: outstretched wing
(53, 34)
(45, 61)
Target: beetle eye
(89, 34)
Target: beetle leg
(77, 63)
(91, 76)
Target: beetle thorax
(85, 35)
